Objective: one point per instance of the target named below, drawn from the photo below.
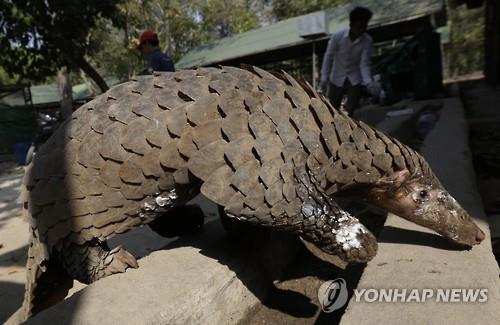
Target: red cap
(147, 35)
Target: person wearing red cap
(149, 47)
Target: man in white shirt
(346, 64)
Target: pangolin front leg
(92, 261)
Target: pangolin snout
(479, 236)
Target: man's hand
(374, 88)
(324, 87)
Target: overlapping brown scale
(222, 82)
(399, 161)
(330, 137)
(132, 137)
(255, 199)
(207, 132)
(287, 132)
(235, 204)
(260, 125)
(343, 128)
(145, 107)
(231, 101)
(99, 121)
(347, 152)
(28, 178)
(170, 156)
(269, 148)
(336, 173)
(194, 88)
(278, 110)
(43, 193)
(121, 109)
(322, 111)
(113, 198)
(254, 101)
(360, 138)
(235, 125)
(217, 187)
(376, 146)
(132, 191)
(316, 170)
(109, 174)
(270, 172)
(274, 193)
(278, 210)
(293, 209)
(246, 177)
(239, 151)
(303, 119)
(120, 90)
(297, 97)
(203, 109)
(182, 176)
(240, 74)
(363, 159)
(58, 232)
(370, 175)
(90, 182)
(186, 145)
(96, 204)
(164, 99)
(77, 128)
(289, 191)
(205, 161)
(165, 182)
(130, 171)
(87, 155)
(312, 142)
(272, 88)
(150, 186)
(156, 132)
(176, 121)
(383, 161)
(150, 163)
(78, 207)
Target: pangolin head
(423, 200)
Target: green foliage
(465, 54)
(180, 25)
(283, 9)
(39, 36)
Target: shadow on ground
(13, 293)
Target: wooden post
(314, 65)
(65, 91)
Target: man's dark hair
(360, 14)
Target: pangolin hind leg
(318, 219)
(92, 261)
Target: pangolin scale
(267, 148)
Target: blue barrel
(20, 151)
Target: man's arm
(326, 66)
(366, 73)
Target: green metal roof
(285, 33)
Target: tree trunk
(65, 90)
(93, 74)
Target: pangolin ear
(395, 179)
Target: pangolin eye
(423, 194)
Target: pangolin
(269, 149)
